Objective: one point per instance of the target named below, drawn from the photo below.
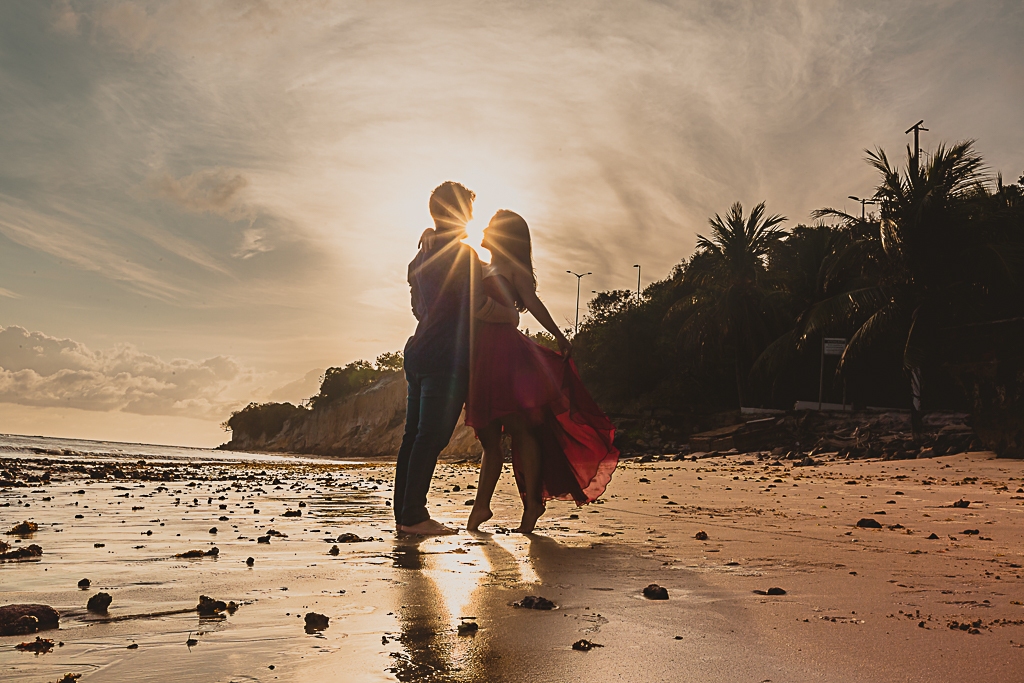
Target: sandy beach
(890, 603)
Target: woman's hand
(426, 240)
(564, 346)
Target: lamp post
(637, 266)
(862, 203)
(579, 277)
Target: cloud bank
(40, 370)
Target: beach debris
(775, 590)
(191, 641)
(194, 554)
(292, 513)
(584, 645)
(534, 602)
(99, 545)
(99, 602)
(133, 646)
(316, 622)
(701, 535)
(656, 592)
(250, 561)
(23, 529)
(22, 553)
(39, 646)
(335, 551)
(23, 619)
(209, 607)
(352, 538)
(970, 532)
(84, 583)
(263, 539)
(961, 503)
(868, 523)
(468, 628)
(213, 529)
(69, 678)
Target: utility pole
(917, 128)
(579, 277)
(637, 266)
(862, 203)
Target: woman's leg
(528, 450)
(490, 472)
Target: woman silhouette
(561, 441)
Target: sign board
(834, 346)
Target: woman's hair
(510, 237)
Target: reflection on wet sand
(443, 586)
(445, 583)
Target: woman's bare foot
(530, 516)
(477, 517)
(430, 527)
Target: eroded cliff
(368, 424)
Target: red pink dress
(511, 373)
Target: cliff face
(367, 424)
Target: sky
(205, 203)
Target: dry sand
(860, 604)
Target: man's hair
(451, 205)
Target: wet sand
(861, 604)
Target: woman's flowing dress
(511, 373)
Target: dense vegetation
(741, 322)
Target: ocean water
(13, 445)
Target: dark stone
(209, 607)
(250, 561)
(962, 503)
(932, 537)
(585, 645)
(868, 523)
(655, 592)
(11, 623)
(534, 602)
(84, 583)
(99, 602)
(316, 622)
(701, 535)
(468, 628)
(292, 513)
(334, 550)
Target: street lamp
(637, 266)
(579, 277)
(862, 203)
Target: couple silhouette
(467, 351)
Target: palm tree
(731, 311)
(923, 263)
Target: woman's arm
(528, 295)
(484, 307)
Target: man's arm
(414, 293)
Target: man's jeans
(435, 403)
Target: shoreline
(855, 597)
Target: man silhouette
(444, 278)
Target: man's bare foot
(530, 516)
(429, 527)
(477, 517)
